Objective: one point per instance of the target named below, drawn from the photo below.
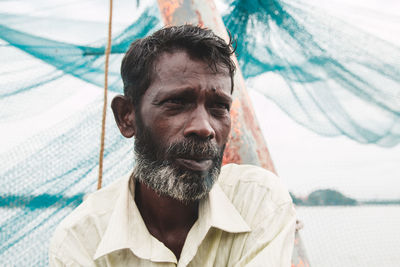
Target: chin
(177, 182)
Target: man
(172, 211)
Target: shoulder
(255, 192)
(95, 204)
(247, 178)
(265, 204)
(81, 231)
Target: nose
(199, 124)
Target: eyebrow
(222, 96)
(189, 92)
(181, 92)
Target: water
(351, 236)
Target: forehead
(178, 68)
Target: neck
(167, 219)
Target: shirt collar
(214, 211)
(220, 212)
(127, 230)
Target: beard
(156, 167)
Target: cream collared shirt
(247, 220)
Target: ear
(124, 114)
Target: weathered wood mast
(246, 144)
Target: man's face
(182, 127)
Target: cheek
(167, 130)
(224, 129)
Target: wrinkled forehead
(178, 57)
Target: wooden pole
(246, 144)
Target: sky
(307, 161)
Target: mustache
(194, 149)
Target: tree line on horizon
(330, 197)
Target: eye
(176, 101)
(220, 109)
(174, 104)
(222, 106)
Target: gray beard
(176, 182)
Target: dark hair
(202, 44)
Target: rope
(103, 120)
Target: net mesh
(328, 75)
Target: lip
(195, 165)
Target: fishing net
(326, 74)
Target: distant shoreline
(359, 204)
(329, 197)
